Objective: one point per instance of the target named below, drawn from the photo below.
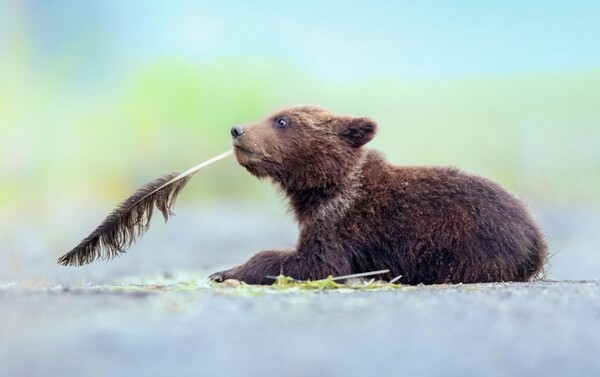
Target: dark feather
(132, 217)
(129, 220)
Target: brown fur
(357, 213)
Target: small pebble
(232, 283)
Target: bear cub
(358, 213)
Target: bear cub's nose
(237, 131)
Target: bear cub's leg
(255, 270)
(301, 266)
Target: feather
(132, 217)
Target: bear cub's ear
(359, 131)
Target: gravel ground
(65, 322)
(534, 329)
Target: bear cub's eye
(282, 122)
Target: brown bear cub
(357, 213)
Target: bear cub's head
(304, 147)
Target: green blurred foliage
(537, 134)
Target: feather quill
(131, 218)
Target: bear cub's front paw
(221, 276)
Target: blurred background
(98, 98)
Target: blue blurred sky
(333, 39)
